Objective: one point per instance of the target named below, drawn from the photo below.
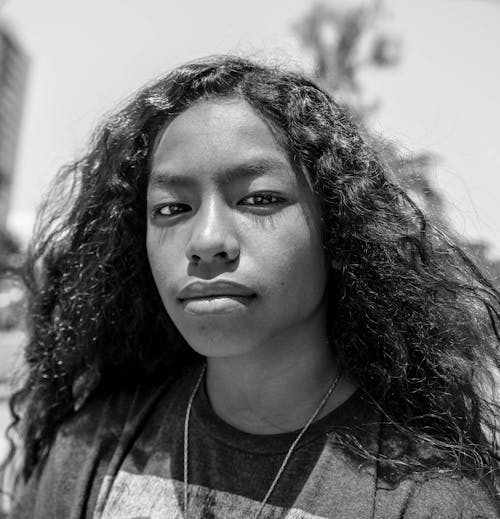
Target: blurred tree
(9, 247)
(12, 301)
(12, 293)
(344, 40)
(10, 254)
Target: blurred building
(13, 78)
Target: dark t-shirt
(122, 457)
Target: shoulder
(404, 492)
(104, 421)
(450, 498)
(437, 491)
(83, 450)
(110, 411)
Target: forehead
(216, 135)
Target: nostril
(216, 249)
(194, 258)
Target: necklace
(330, 390)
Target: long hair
(411, 317)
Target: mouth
(203, 290)
(221, 297)
(219, 304)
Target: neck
(275, 388)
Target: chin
(219, 352)
(217, 346)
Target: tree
(9, 247)
(344, 40)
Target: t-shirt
(122, 457)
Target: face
(233, 232)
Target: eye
(262, 199)
(172, 209)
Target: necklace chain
(333, 385)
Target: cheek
(153, 253)
(296, 261)
(160, 244)
(160, 260)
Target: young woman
(236, 313)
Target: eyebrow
(244, 171)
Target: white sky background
(87, 55)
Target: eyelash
(157, 211)
(271, 198)
(277, 199)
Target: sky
(87, 56)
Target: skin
(225, 203)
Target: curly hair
(411, 317)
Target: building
(13, 78)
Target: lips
(214, 289)
(215, 298)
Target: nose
(213, 238)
